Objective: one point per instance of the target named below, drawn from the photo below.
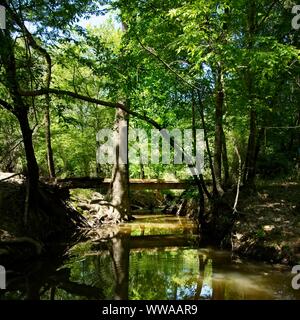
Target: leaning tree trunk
(119, 191)
(30, 219)
(20, 110)
(32, 166)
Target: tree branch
(98, 102)
(6, 105)
(33, 43)
(152, 51)
(78, 96)
(267, 14)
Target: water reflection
(153, 258)
(119, 250)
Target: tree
(228, 68)
(119, 192)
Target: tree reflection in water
(142, 263)
(119, 250)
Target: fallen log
(76, 183)
(135, 184)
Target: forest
(225, 72)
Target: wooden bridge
(135, 184)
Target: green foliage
(166, 51)
(260, 234)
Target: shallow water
(155, 257)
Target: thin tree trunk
(211, 166)
(50, 160)
(142, 173)
(200, 181)
(250, 163)
(225, 159)
(258, 148)
(218, 128)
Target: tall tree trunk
(20, 110)
(211, 166)
(250, 163)
(199, 181)
(218, 127)
(119, 192)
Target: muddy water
(155, 257)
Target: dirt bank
(268, 227)
(51, 220)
